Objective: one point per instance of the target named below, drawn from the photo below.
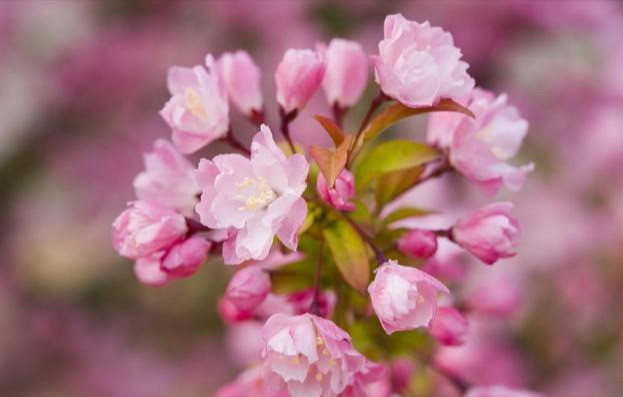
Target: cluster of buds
(329, 308)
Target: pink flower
(248, 288)
(341, 193)
(181, 260)
(479, 148)
(145, 228)
(255, 198)
(404, 297)
(168, 179)
(347, 72)
(197, 112)
(499, 391)
(449, 326)
(418, 64)
(418, 242)
(242, 79)
(490, 233)
(310, 356)
(230, 313)
(498, 296)
(298, 76)
(301, 301)
(248, 384)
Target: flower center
(258, 193)
(193, 103)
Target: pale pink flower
(298, 76)
(249, 384)
(255, 199)
(181, 260)
(449, 326)
(168, 179)
(197, 112)
(248, 288)
(418, 64)
(490, 233)
(242, 79)
(404, 297)
(311, 356)
(347, 72)
(145, 228)
(341, 193)
(480, 147)
(499, 391)
(420, 243)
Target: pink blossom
(418, 242)
(490, 233)
(341, 193)
(181, 260)
(499, 391)
(404, 297)
(347, 72)
(310, 356)
(498, 296)
(230, 313)
(249, 384)
(248, 288)
(255, 199)
(298, 76)
(145, 228)
(301, 301)
(418, 64)
(168, 179)
(480, 147)
(242, 79)
(197, 112)
(449, 326)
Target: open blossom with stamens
(480, 147)
(197, 112)
(499, 391)
(311, 356)
(490, 233)
(168, 179)
(298, 77)
(404, 297)
(347, 72)
(255, 199)
(181, 260)
(145, 228)
(418, 64)
(242, 79)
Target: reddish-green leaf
(334, 131)
(331, 162)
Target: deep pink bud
(230, 313)
(145, 228)
(242, 80)
(449, 326)
(490, 233)
(248, 288)
(347, 72)
(341, 193)
(298, 76)
(184, 258)
(418, 242)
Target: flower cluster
(326, 324)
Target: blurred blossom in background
(81, 83)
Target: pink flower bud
(248, 288)
(499, 391)
(145, 228)
(404, 297)
(418, 64)
(340, 194)
(301, 302)
(347, 72)
(148, 270)
(197, 112)
(230, 313)
(496, 297)
(490, 233)
(184, 258)
(449, 326)
(168, 179)
(418, 242)
(298, 76)
(242, 79)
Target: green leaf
(395, 183)
(330, 162)
(350, 254)
(398, 111)
(334, 131)
(404, 213)
(392, 156)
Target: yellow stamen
(193, 103)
